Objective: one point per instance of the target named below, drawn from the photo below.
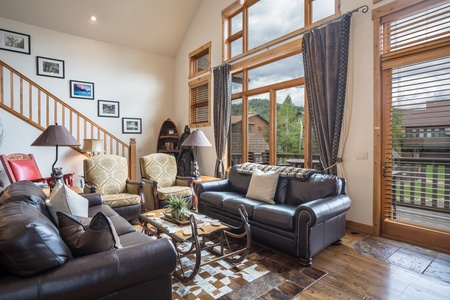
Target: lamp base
(196, 172)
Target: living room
(154, 85)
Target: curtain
(325, 56)
(222, 110)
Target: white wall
(140, 81)
(207, 26)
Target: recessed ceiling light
(93, 18)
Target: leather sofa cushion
(238, 182)
(318, 186)
(27, 191)
(121, 225)
(216, 199)
(279, 216)
(29, 242)
(82, 240)
(231, 205)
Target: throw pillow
(29, 242)
(67, 201)
(263, 185)
(100, 235)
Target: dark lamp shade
(56, 135)
(197, 138)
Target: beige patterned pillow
(263, 185)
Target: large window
(268, 122)
(414, 111)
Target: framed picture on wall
(81, 89)
(15, 41)
(131, 125)
(108, 109)
(49, 67)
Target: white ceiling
(156, 26)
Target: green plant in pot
(178, 207)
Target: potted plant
(178, 207)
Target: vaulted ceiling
(156, 26)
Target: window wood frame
(195, 83)
(195, 55)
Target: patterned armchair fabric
(160, 171)
(108, 175)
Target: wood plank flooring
(352, 275)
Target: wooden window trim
(194, 55)
(206, 79)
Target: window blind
(416, 94)
(200, 104)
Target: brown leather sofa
(308, 214)
(141, 267)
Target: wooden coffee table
(197, 234)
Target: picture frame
(131, 125)
(109, 109)
(15, 41)
(49, 67)
(170, 131)
(81, 89)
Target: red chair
(19, 166)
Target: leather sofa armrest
(103, 273)
(212, 186)
(326, 208)
(94, 199)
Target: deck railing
(33, 104)
(422, 182)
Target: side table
(197, 181)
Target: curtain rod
(364, 9)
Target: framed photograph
(131, 125)
(81, 89)
(15, 41)
(108, 108)
(49, 67)
(171, 131)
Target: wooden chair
(19, 166)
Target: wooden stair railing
(33, 104)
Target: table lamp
(196, 139)
(92, 146)
(55, 135)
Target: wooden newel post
(132, 160)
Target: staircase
(36, 106)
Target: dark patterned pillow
(100, 235)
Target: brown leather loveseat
(307, 214)
(35, 262)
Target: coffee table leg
(194, 248)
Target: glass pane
(322, 9)
(258, 128)
(276, 72)
(236, 47)
(236, 23)
(201, 63)
(235, 142)
(269, 20)
(290, 126)
(236, 83)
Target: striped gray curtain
(325, 57)
(222, 110)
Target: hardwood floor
(352, 275)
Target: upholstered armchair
(20, 166)
(108, 175)
(159, 172)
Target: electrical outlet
(362, 155)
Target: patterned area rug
(263, 275)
